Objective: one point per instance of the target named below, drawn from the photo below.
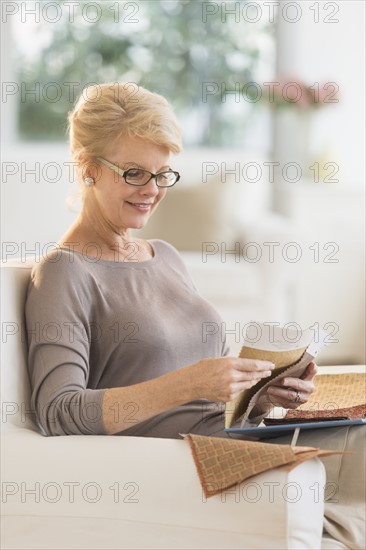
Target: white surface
(158, 486)
(325, 287)
(337, 35)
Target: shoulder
(59, 269)
(60, 284)
(57, 260)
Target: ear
(89, 167)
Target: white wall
(331, 52)
(9, 108)
(324, 51)
(34, 209)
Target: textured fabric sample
(222, 463)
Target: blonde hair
(106, 112)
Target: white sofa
(108, 492)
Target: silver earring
(89, 182)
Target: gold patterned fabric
(222, 463)
(338, 397)
(335, 392)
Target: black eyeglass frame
(123, 173)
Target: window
(199, 57)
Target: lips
(141, 206)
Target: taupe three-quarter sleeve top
(94, 324)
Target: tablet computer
(266, 432)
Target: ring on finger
(298, 397)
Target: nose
(150, 189)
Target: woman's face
(129, 206)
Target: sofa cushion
(192, 215)
(138, 481)
(15, 384)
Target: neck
(100, 231)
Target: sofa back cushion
(15, 385)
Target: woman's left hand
(296, 391)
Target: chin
(139, 224)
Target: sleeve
(58, 335)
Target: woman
(115, 323)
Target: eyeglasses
(138, 176)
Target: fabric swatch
(222, 463)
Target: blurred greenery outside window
(165, 46)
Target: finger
(253, 365)
(310, 372)
(277, 401)
(286, 398)
(255, 376)
(239, 387)
(298, 384)
(289, 394)
(242, 376)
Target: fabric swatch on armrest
(222, 463)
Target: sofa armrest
(151, 482)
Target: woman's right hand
(224, 378)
